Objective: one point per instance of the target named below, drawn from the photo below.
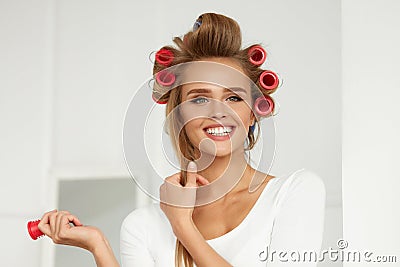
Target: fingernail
(192, 166)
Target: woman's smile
(218, 132)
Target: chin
(221, 148)
(220, 152)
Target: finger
(191, 174)
(201, 180)
(62, 235)
(177, 195)
(60, 222)
(44, 225)
(45, 217)
(162, 192)
(75, 220)
(52, 223)
(64, 224)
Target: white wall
(25, 112)
(70, 68)
(371, 130)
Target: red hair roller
(269, 80)
(165, 78)
(264, 105)
(33, 230)
(257, 55)
(164, 57)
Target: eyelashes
(201, 100)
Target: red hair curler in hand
(164, 57)
(33, 229)
(165, 78)
(257, 55)
(264, 105)
(269, 80)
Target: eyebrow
(205, 91)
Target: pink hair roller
(257, 55)
(33, 229)
(264, 105)
(165, 78)
(164, 57)
(269, 80)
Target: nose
(218, 115)
(218, 109)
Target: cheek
(192, 129)
(189, 113)
(245, 116)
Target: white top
(287, 217)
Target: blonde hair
(215, 36)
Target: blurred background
(69, 69)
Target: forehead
(214, 74)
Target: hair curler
(164, 57)
(257, 55)
(269, 80)
(158, 92)
(264, 105)
(33, 229)
(165, 78)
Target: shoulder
(139, 214)
(141, 218)
(307, 179)
(301, 185)
(300, 212)
(145, 229)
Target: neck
(233, 167)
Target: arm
(298, 224)
(103, 254)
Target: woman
(209, 126)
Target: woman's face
(219, 115)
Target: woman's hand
(180, 213)
(57, 225)
(177, 201)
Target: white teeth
(219, 131)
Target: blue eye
(237, 99)
(199, 100)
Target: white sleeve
(134, 249)
(299, 222)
